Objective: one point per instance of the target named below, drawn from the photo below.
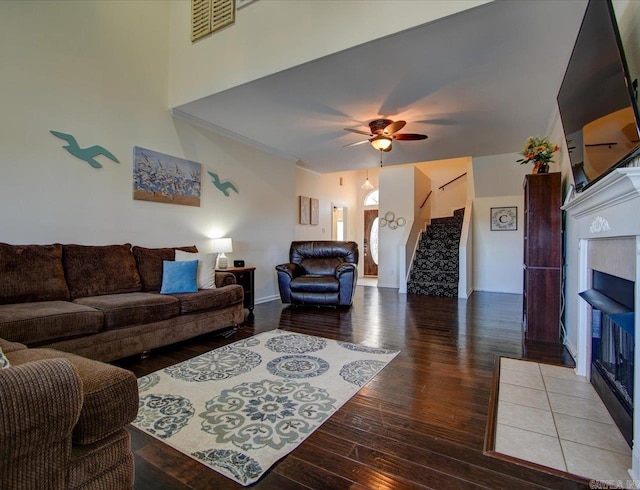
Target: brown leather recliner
(319, 273)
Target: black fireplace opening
(612, 346)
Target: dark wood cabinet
(542, 257)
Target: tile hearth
(550, 416)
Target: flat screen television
(597, 99)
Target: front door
(371, 242)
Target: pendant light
(367, 183)
(367, 186)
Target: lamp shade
(222, 245)
(381, 142)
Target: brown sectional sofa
(62, 421)
(103, 302)
(63, 309)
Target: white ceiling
(478, 83)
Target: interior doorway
(338, 222)
(370, 242)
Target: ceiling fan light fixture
(381, 142)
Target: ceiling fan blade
(394, 126)
(409, 136)
(356, 143)
(357, 131)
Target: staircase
(435, 266)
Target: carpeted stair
(435, 266)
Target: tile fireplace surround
(602, 232)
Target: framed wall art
(315, 211)
(304, 210)
(504, 218)
(162, 178)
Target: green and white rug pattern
(240, 408)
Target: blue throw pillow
(179, 277)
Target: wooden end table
(244, 277)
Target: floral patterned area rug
(240, 408)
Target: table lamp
(222, 246)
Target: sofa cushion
(110, 393)
(123, 310)
(206, 267)
(207, 299)
(31, 273)
(149, 261)
(179, 277)
(110, 458)
(92, 270)
(8, 346)
(45, 321)
(315, 284)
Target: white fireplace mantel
(618, 187)
(610, 209)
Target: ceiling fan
(383, 132)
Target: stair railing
(426, 199)
(450, 182)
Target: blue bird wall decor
(222, 186)
(86, 154)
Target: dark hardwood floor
(419, 424)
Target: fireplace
(613, 346)
(602, 233)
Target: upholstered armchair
(319, 273)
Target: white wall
(339, 187)
(99, 71)
(454, 196)
(500, 175)
(263, 32)
(421, 216)
(497, 255)
(628, 18)
(396, 195)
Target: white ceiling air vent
(208, 16)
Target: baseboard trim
(267, 299)
(496, 291)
